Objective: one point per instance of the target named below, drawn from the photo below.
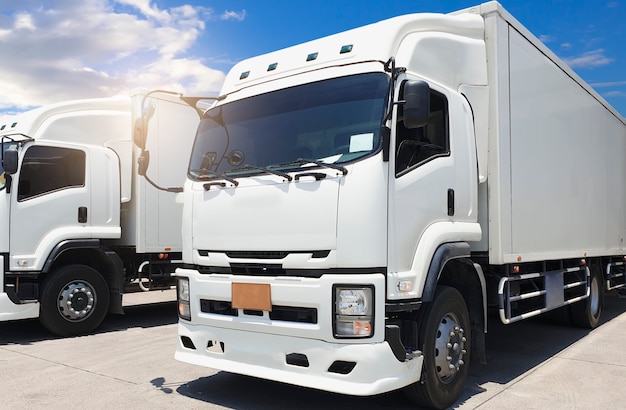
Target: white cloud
(609, 84)
(589, 59)
(147, 9)
(233, 15)
(614, 94)
(546, 38)
(24, 21)
(68, 49)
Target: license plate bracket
(252, 296)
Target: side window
(47, 169)
(419, 145)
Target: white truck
(356, 204)
(79, 223)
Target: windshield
(332, 121)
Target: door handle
(82, 214)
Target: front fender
(435, 235)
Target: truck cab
(83, 216)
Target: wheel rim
(449, 348)
(76, 301)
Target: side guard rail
(531, 294)
(615, 277)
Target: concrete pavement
(129, 363)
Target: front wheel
(444, 340)
(74, 300)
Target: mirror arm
(8, 179)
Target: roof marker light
(13, 125)
(4, 126)
(346, 49)
(311, 57)
(244, 75)
(272, 67)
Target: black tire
(74, 300)
(586, 313)
(444, 339)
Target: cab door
(49, 203)
(4, 213)
(433, 185)
(421, 180)
(5, 204)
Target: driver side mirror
(416, 108)
(10, 160)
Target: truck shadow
(148, 315)
(226, 390)
(512, 350)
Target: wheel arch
(452, 266)
(92, 253)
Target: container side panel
(567, 162)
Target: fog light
(354, 327)
(182, 295)
(354, 311)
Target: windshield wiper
(303, 161)
(263, 169)
(205, 175)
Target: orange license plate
(252, 296)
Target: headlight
(354, 311)
(182, 294)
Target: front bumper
(319, 365)
(11, 311)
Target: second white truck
(82, 216)
(356, 204)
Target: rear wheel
(74, 300)
(586, 313)
(444, 340)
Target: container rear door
(170, 134)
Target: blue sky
(62, 49)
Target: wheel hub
(449, 347)
(76, 301)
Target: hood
(265, 214)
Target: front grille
(257, 254)
(277, 255)
(279, 313)
(274, 270)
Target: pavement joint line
(528, 373)
(573, 359)
(70, 367)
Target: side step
(530, 294)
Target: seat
(411, 152)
